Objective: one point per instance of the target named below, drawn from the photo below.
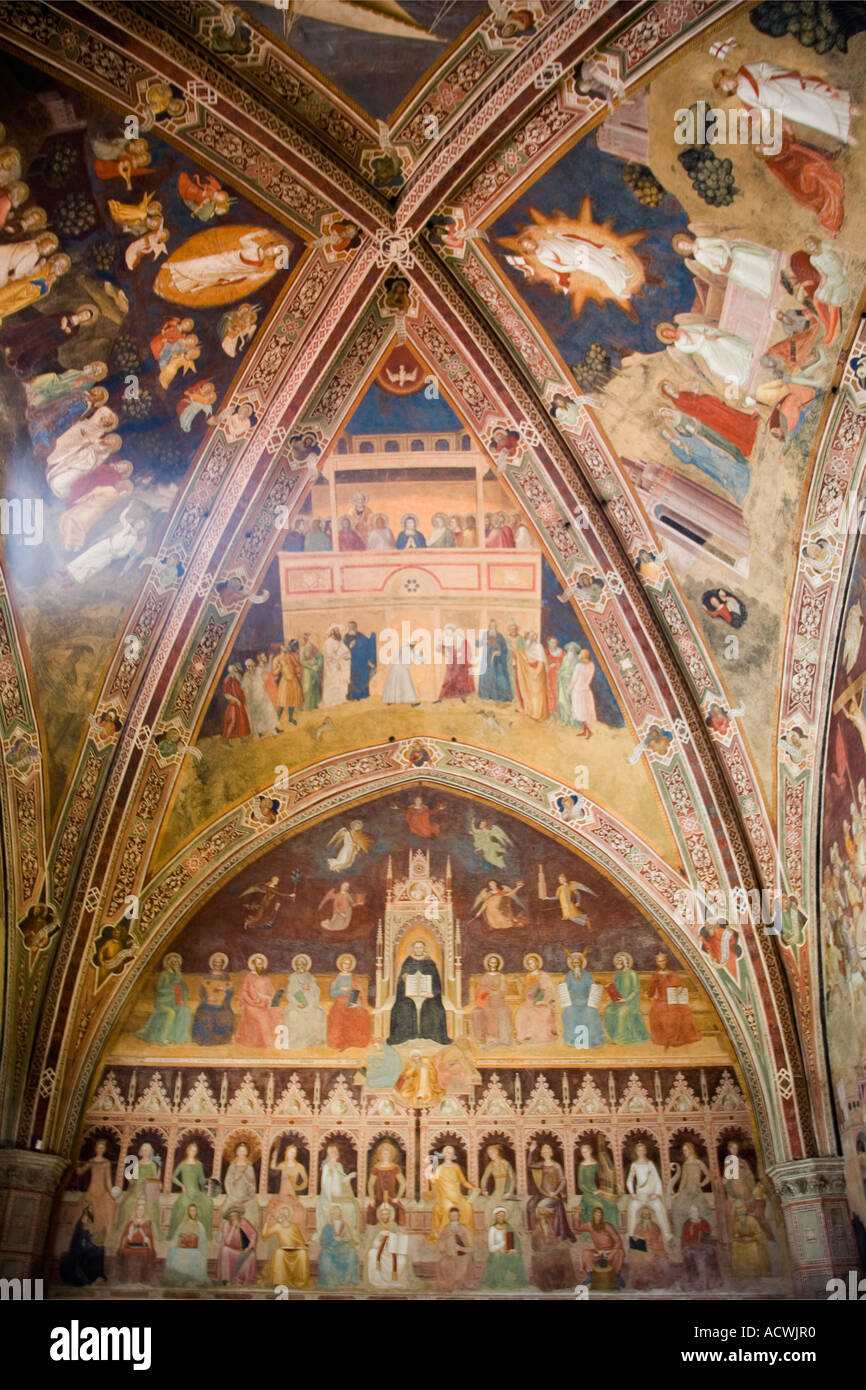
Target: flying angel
(352, 842)
(491, 842)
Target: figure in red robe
(236, 721)
(671, 1025)
(810, 177)
(348, 1020)
(458, 681)
(555, 657)
(419, 818)
(259, 1020)
(739, 427)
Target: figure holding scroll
(579, 997)
(418, 1010)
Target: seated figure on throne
(419, 980)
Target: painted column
(817, 1223)
(28, 1182)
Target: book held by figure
(678, 994)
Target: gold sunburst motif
(579, 257)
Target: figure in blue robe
(48, 424)
(338, 1258)
(733, 474)
(362, 664)
(384, 1065)
(493, 679)
(578, 1014)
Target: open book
(419, 986)
(678, 994)
(596, 994)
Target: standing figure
(583, 711)
(189, 1176)
(348, 1021)
(457, 682)
(670, 1016)
(535, 1019)
(504, 1267)
(449, 1183)
(335, 683)
(581, 1020)
(362, 661)
(260, 709)
(623, 1020)
(98, 1196)
(312, 666)
(290, 692)
(386, 1182)
(547, 1189)
(303, 1016)
(491, 1016)
(493, 679)
(530, 669)
(236, 719)
(236, 1260)
(258, 1020)
(169, 1022)
(418, 1011)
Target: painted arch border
(197, 872)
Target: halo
(301, 964)
(168, 962)
(410, 516)
(218, 961)
(624, 955)
(346, 956)
(257, 955)
(489, 959)
(576, 956)
(532, 955)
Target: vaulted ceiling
(687, 493)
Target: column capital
(809, 1177)
(31, 1169)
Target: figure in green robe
(189, 1176)
(504, 1268)
(563, 682)
(596, 1184)
(312, 664)
(145, 1186)
(170, 1021)
(623, 1020)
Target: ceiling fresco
(431, 604)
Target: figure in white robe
(644, 1189)
(807, 100)
(252, 260)
(388, 1255)
(743, 262)
(63, 475)
(338, 660)
(335, 1190)
(127, 538)
(19, 260)
(263, 718)
(583, 709)
(726, 355)
(565, 253)
(399, 687)
(303, 1016)
(81, 434)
